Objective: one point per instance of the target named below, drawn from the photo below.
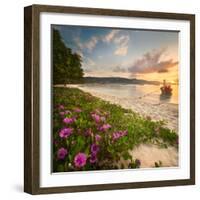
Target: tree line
(66, 64)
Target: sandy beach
(147, 153)
(157, 111)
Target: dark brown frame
(32, 106)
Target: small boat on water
(166, 89)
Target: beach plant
(92, 134)
(158, 164)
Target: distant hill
(103, 80)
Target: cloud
(151, 62)
(120, 39)
(89, 44)
(121, 51)
(122, 43)
(110, 36)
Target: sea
(148, 92)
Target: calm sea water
(150, 93)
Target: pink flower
(94, 148)
(61, 153)
(61, 107)
(104, 127)
(68, 120)
(62, 113)
(116, 135)
(88, 132)
(77, 110)
(97, 137)
(80, 160)
(65, 132)
(119, 134)
(93, 158)
(96, 118)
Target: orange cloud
(151, 62)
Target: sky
(130, 53)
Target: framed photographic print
(109, 99)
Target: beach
(156, 110)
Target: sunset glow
(128, 53)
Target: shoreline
(159, 111)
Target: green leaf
(126, 156)
(60, 168)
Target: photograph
(109, 99)
(115, 98)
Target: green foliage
(139, 130)
(66, 65)
(170, 137)
(134, 164)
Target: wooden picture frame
(32, 97)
